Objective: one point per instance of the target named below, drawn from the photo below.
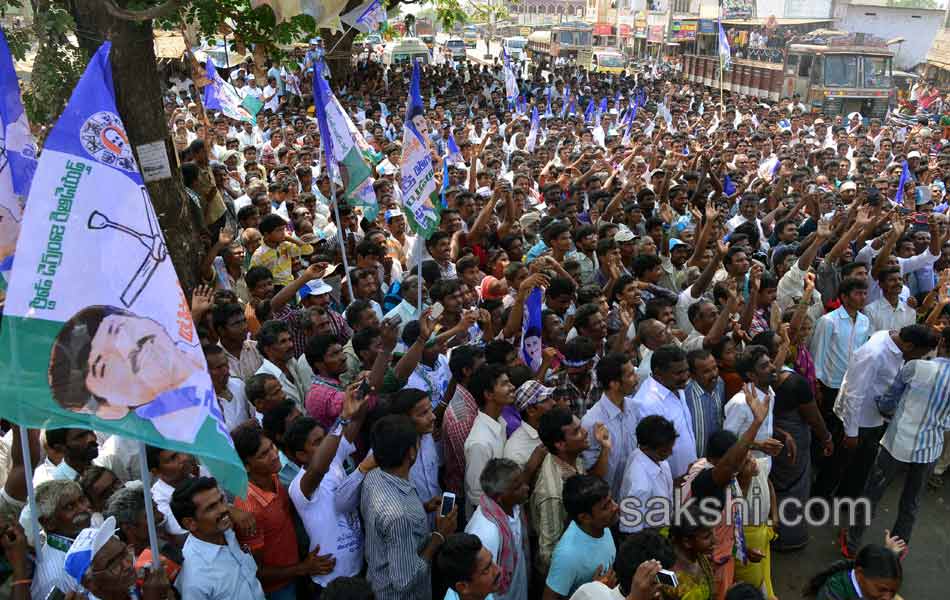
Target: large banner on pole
(97, 332)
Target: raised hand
(759, 407)
(824, 229)
(201, 299)
(602, 435)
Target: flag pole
(30, 492)
(339, 235)
(419, 246)
(149, 508)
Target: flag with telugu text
(97, 332)
(17, 162)
(342, 151)
(417, 175)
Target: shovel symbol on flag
(153, 241)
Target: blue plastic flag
(728, 187)
(905, 177)
(531, 330)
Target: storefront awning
(759, 22)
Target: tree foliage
(60, 60)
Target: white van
(516, 47)
(455, 49)
(405, 51)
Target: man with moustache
(215, 565)
(63, 511)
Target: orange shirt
(275, 540)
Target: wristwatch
(338, 426)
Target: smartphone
(363, 389)
(56, 594)
(437, 310)
(448, 503)
(664, 577)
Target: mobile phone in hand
(664, 577)
(448, 503)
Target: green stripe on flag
(25, 399)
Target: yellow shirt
(279, 260)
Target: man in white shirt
(229, 390)
(647, 480)
(662, 394)
(872, 370)
(325, 497)
(215, 565)
(532, 399)
(913, 440)
(500, 514)
(889, 311)
(168, 468)
(486, 440)
(755, 366)
(63, 511)
(277, 347)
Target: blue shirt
(622, 425)
(706, 408)
(922, 396)
(835, 339)
(577, 557)
(210, 571)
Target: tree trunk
(139, 100)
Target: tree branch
(156, 12)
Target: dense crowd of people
(743, 317)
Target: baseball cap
(624, 235)
(89, 541)
(392, 212)
(531, 393)
(848, 185)
(913, 154)
(317, 287)
(675, 242)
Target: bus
(559, 42)
(470, 35)
(834, 72)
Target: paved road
(925, 567)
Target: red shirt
(275, 541)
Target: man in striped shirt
(920, 399)
(399, 544)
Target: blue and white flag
(533, 133)
(589, 111)
(453, 156)
(547, 111)
(728, 187)
(366, 17)
(511, 82)
(419, 196)
(342, 144)
(628, 123)
(17, 162)
(768, 167)
(221, 95)
(97, 333)
(905, 177)
(445, 183)
(531, 330)
(725, 52)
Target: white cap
(82, 552)
(913, 154)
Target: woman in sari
(796, 413)
(693, 544)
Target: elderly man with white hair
(62, 511)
